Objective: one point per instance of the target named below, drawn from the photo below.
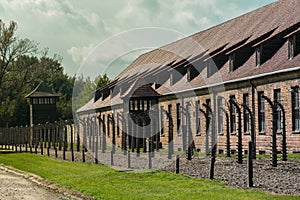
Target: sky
(118, 30)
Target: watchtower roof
(42, 91)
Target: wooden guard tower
(42, 105)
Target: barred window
(208, 103)
(232, 116)
(246, 113)
(170, 113)
(198, 122)
(178, 117)
(162, 121)
(295, 109)
(261, 112)
(118, 124)
(108, 125)
(277, 114)
(220, 115)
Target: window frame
(198, 118)
(258, 55)
(232, 114)
(162, 122)
(178, 118)
(278, 112)
(291, 47)
(220, 115)
(246, 114)
(261, 113)
(231, 62)
(295, 109)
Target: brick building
(237, 79)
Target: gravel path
(14, 187)
(284, 179)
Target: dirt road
(13, 187)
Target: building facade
(237, 80)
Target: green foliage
(15, 69)
(84, 88)
(21, 70)
(101, 182)
(102, 81)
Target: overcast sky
(72, 28)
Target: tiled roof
(279, 18)
(274, 18)
(140, 89)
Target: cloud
(72, 28)
(80, 53)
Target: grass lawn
(102, 182)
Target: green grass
(294, 156)
(102, 182)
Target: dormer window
(209, 65)
(171, 78)
(231, 62)
(192, 72)
(291, 47)
(188, 75)
(258, 55)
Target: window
(192, 73)
(232, 116)
(188, 75)
(52, 101)
(162, 121)
(139, 105)
(198, 122)
(231, 62)
(103, 124)
(297, 44)
(41, 101)
(170, 115)
(277, 114)
(118, 123)
(295, 109)
(210, 65)
(172, 78)
(220, 115)
(208, 103)
(261, 112)
(35, 101)
(246, 113)
(131, 105)
(178, 117)
(291, 46)
(258, 54)
(108, 127)
(46, 100)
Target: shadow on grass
(6, 151)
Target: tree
(84, 88)
(22, 69)
(11, 50)
(102, 80)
